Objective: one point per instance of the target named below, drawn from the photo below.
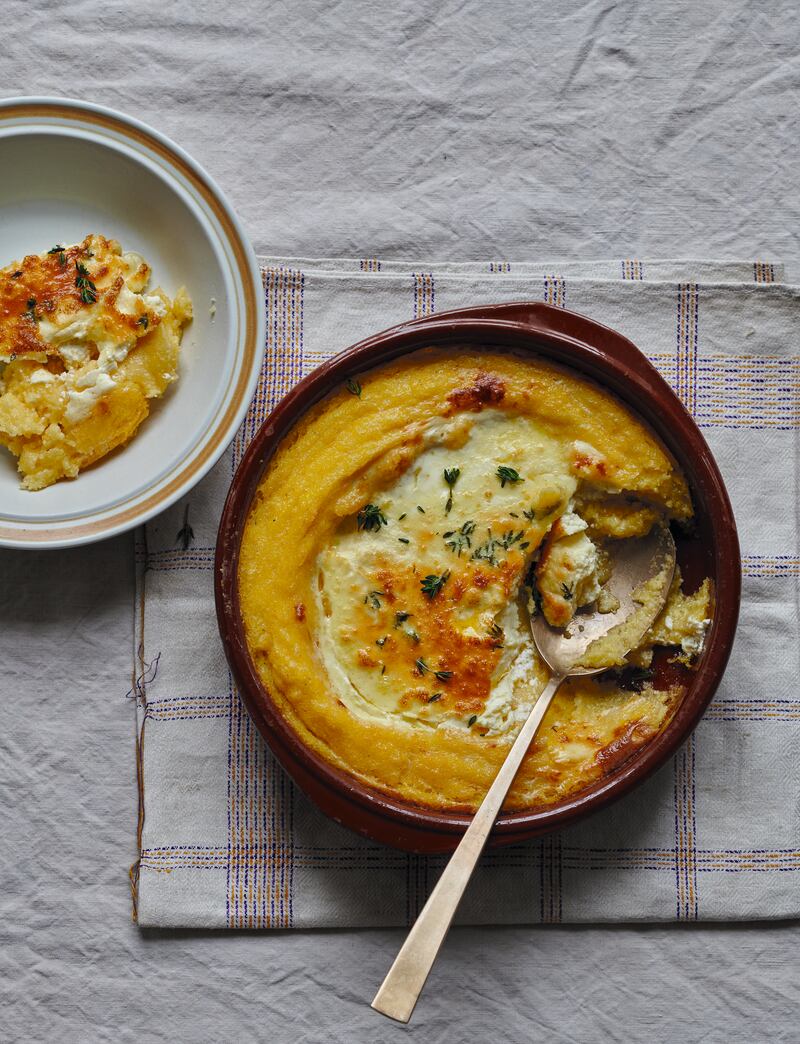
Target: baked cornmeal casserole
(399, 538)
(83, 349)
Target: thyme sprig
(62, 257)
(507, 474)
(432, 584)
(371, 518)
(459, 539)
(84, 283)
(450, 477)
(423, 668)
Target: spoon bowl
(633, 563)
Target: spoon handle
(406, 977)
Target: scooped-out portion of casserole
(84, 347)
(400, 537)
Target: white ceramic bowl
(70, 168)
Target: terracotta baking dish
(711, 549)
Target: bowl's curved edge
(558, 335)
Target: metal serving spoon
(632, 563)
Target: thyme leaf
(373, 598)
(432, 584)
(371, 518)
(450, 477)
(497, 634)
(353, 387)
(84, 283)
(459, 539)
(62, 257)
(507, 474)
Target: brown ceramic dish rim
(554, 335)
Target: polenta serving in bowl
(400, 537)
(84, 347)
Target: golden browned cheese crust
(83, 348)
(383, 567)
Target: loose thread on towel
(142, 674)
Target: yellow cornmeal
(385, 565)
(85, 349)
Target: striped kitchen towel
(225, 838)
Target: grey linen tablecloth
(465, 130)
(227, 840)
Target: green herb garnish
(404, 540)
(530, 515)
(458, 539)
(506, 474)
(443, 675)
(432, 584)
(497, 634)
(30, 311)
(84, 283)
(353, 387)
(422, 667)
(486, 551)
(400, 617)
(450, 477)
(401, 517)
(373, 598)
(371, 518)
(421, 509)
(62, 257)
(567, 591)
(471, 721)
(509, 538)
(143, 321)
(435, 696)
